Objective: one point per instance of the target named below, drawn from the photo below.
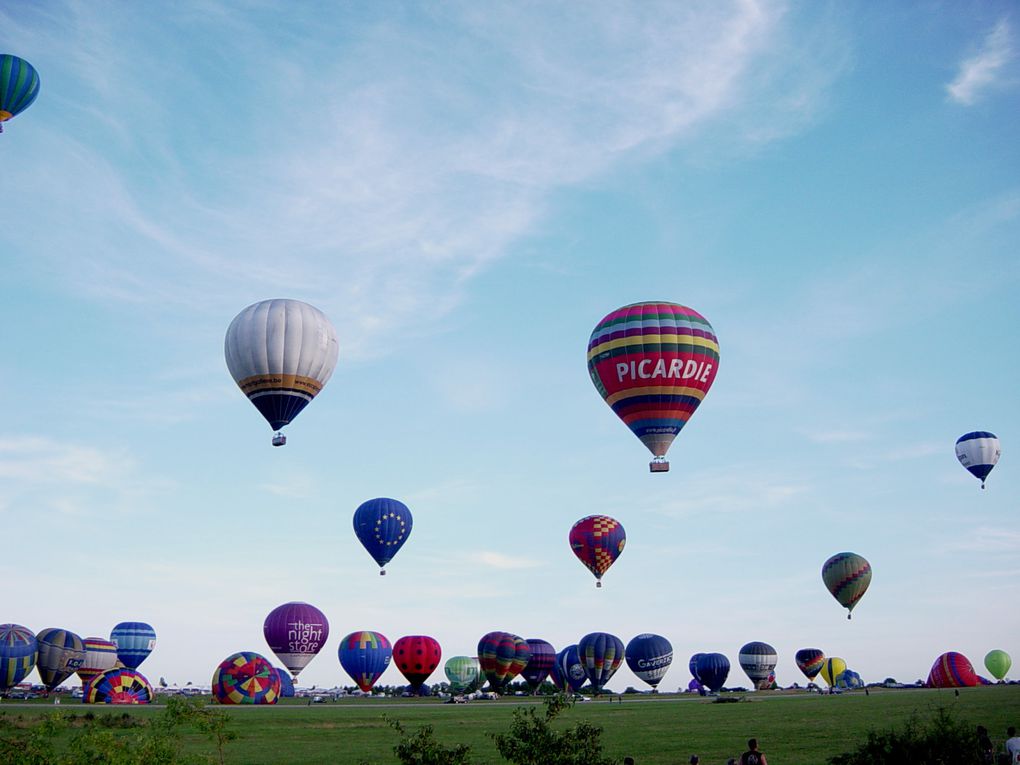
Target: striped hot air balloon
(19, 86)
(601, 655)
(100, 655)
(365, 655)
(758, 660)
(462, 672)
(978, 452)
(61, 654)
(543, 656)
(653, 364)
(847, 576)
(120, 685)
(502, 656)
(18, 652)
(953, 670)
(597, 541)
(809, 661)
(134, 641)
(832, 668)
(246, 678)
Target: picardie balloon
(653, 364)
(296, 632)
(543, 656)
(365, 655)
(978, 452)
(18, 652)
(832, 668)
(134, 641)
(809, 661)
(281, 353)
(382, 526)
(19, 86)
(61, 654)
(758, 659)
(649, 657)
(997, 662)
(713, 669)
(597, 541)
(120, 685)
(847, 576)
(502, 656)
(601, 655)
(246, 677)
(417, 657)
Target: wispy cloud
(984, 70)
(986, 539)
(501, 561)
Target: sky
(465, 190)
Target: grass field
(793, 728)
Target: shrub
(940, 741)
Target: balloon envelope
(692, 665)
(100, 655)
(61, 654)
(543, 656)
(462, 672)
(997, 662)
(120, 685)
(849, 679)
(952, 670)
(653, 364)
(18, 652)
(601, 655)
(417, 657)
(365, 656)
(382, 526)
(246, 678)
(134, 641)
(568, 672)
(978, 452)
(832, 668)
(713, 669)
(19, 86)
(847, 576)
(502, 656)
(295, 632)
(649, 657)
(286, 684)
(281, 353)
(758, 659)
(809, 661)
(597, 541)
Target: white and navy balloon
(978, 452)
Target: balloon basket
(658, 466)
(382, 572)
(279, 439)
(598, 584)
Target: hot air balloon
(713, 669)
(134, 641)
(952, 670)
(568, 671)
(809, 661)
(998, 663)
(692, 665)
(120, 685)
(543, 656)
(978, 452)
(246, 678)
(462, 672)
(653, 363)
(597, 541)
(832, 668)
(601, 655)
(19, 85)
(296, 632)
(100, 655)
(648, 657)
(758, 659)
(849, 679)
(61, 654)
(417, 657)
(382, 525)
(18, 652)
(286, 684)
(502, 656)
(847, 576)
(365, 656)
(281, 353)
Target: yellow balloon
(832, 669)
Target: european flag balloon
(713, 669)
(18, 652)
(19, 86)
(120, 685)
(649, 656)
(61, 654)
(653, 364)
(978, 452)
(601, 655)
(543, 656)
(809, 661)
(246, 677)
(847, 576)
(365, 655)
(134, 641)
(382, 526)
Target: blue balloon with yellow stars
(382, 526)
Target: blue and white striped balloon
(978, 452)
(134, 641)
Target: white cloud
(983, 71)
(501, 561)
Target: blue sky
(466, 189)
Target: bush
(532, 740)
(421, 748)
(941, 741)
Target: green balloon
(461, 671)
(998, 663)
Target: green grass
(793, 728)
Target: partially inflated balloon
(246, 678)
(121, 685)
(502, 656)
(649, 657)
(19, 85)
(713, 669)
(952, 670)
(847, 576)
(365, 656)
(809, 661)
(758, 659)
(568, 672)
(601, 655)
(18, 652)
(653, 363)
(597, 541)
(543, 656)
(462, 672)
(692, 665)
(417, 657)
(849, 679)
(978, 452)
(382, 526)
(296, 632)
(286, 684)
(61, 654)
(281, 353)
(832, 668)
(998, 663)
(134, 641)
(100, 655)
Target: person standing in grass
(1013, 745)
(752, 756)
